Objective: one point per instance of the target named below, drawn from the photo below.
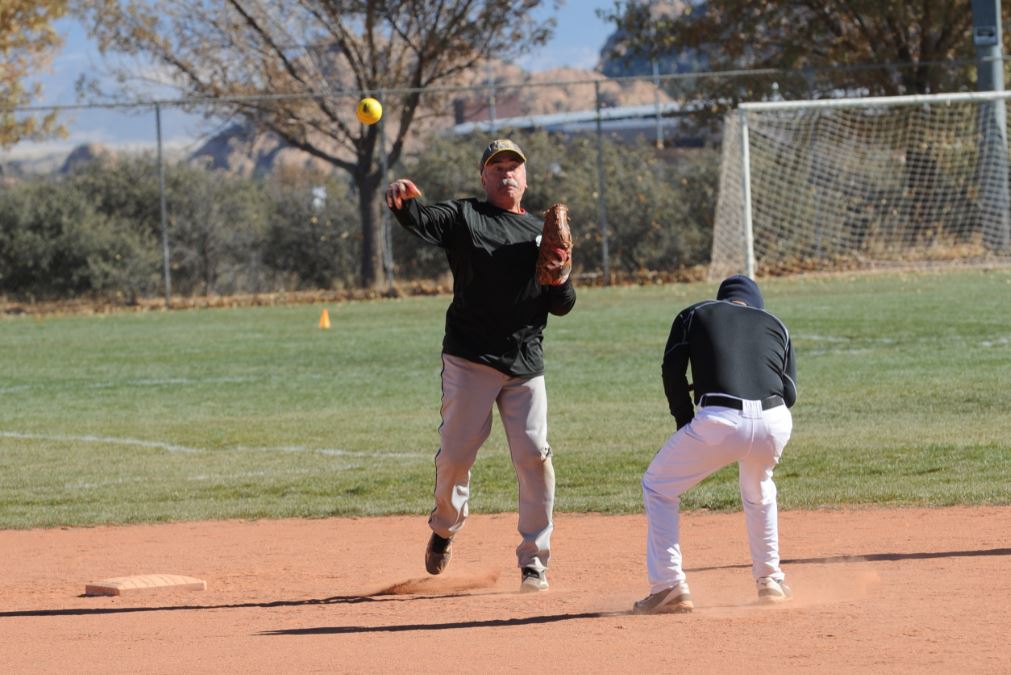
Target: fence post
(164, 212)
(746, 215)
(656, 103)
(491, 101)
(387, 229)
(987, 37)
(601, 203)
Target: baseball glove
(554, 258)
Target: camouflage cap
(499, 146)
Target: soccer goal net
(861, 183)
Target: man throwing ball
(492, 352)
(745, 375)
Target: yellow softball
(369, 110)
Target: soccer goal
(844, 184)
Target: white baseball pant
(716, 437)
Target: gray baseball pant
(468, 392)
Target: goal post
(859, 183)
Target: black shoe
(438, 553)
(532, 580)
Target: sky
(579, 35)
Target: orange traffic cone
(324, 319)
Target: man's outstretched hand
(400, 191)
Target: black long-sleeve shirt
(499, 311)
(733, 349)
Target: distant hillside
(239, 150)
(557, 90)
(59, 162)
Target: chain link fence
(233, 209)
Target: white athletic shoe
(772, 590)
(674, 600)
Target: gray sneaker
(673, 600)
(533, 580)
(438, 553)
(773, 590)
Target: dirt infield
(878, 591)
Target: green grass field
(905, 393)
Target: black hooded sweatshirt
(733, 349)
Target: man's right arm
(429, 223)
(432, 224)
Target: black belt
(773, 401)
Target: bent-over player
(744, 374)
(492, 352)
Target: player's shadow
(335, 600)
(869, 557)
(453, 625)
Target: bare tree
(315, 57)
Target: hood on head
(743, 289)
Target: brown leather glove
(554, 258)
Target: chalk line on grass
(90, 438)
(177, 448)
